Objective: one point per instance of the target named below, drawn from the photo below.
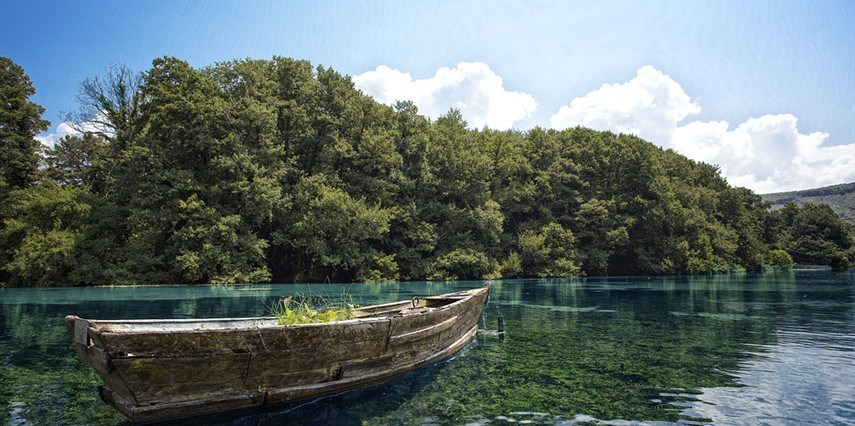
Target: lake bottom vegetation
(275, 170)
(764, 347)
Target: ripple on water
(558, 308)
(807, 378)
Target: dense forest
(274, 170)
(841, 199)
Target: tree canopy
(260, 170)
(20, 121)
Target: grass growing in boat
(304, 310)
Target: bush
(779, 258)
(548, 253)
(461, 264)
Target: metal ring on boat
(416, 301)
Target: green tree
(198, 183)
(255, 170)
(335, 236)
(216, 248)
(42, 226)
(598, 234)
(548, 252)
(462, 264)
(820, 237)
(77, 161)
(743, 211)
(20, 121)
(454, 198)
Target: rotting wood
(422, 332)
(270, 362)
(305, 391)
(162, 369)
(180, 409)
(185, 369)
(317, 375)
(205, 342)
(94, 356)
(188, 391)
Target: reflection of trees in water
(614, 348)
(611, 347)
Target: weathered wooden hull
(162, 369)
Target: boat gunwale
(255, 323)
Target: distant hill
(841, 198)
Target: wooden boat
(164, 369)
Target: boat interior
(402, 307)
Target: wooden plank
(309, 358)
(468, 320)
(194, 408)
(361, 367)
(192, 343)
(319, 375)
(173, 325)
(81, 332)
(152, 380)
(148, 394)
(69, 325)
(460, 311)
(93, 356)
(406, 351)
(410, 351)
(379, 310)
(117, 401)
(279, 395)
(335, 334)
(207, 342)
(118, 385)
(423, 332)
(411, 321)
(178, 410)
(154, 371)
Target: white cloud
(50, 139)
(66, 128)
(648, 105)
(471, 87)
(765, 154)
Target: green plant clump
(290, 312)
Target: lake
(765, 348)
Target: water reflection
(793, 383)
(749, 348)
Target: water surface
(773, 348)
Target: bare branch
(107, 103)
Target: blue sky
(764, 89)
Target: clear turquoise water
(772, 348)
